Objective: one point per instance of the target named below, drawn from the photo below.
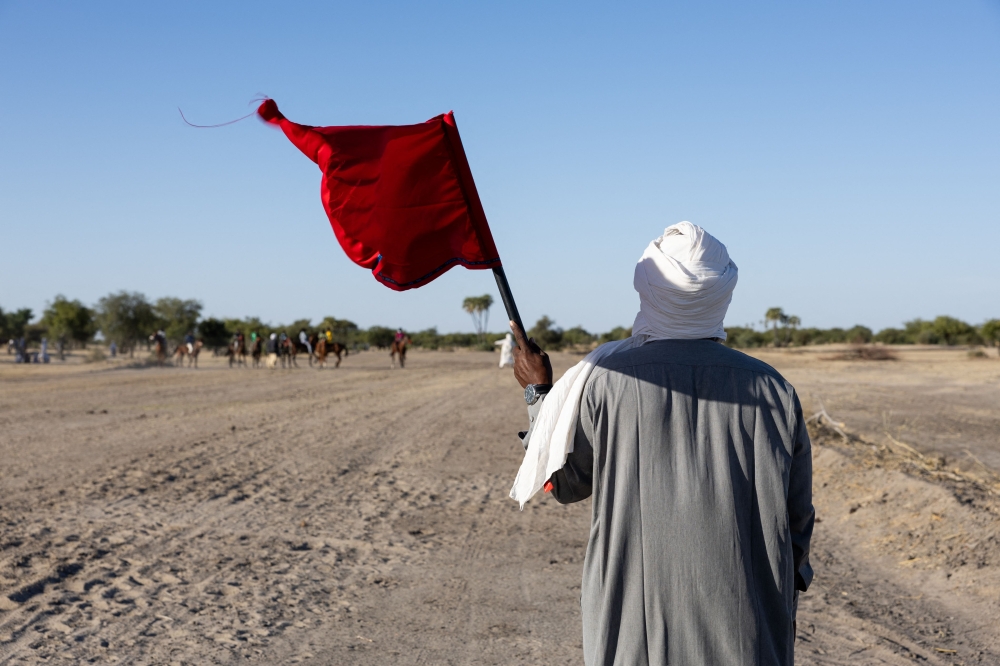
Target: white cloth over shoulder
(685, 281)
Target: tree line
(782, 330)
(128, 319)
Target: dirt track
(360, 515)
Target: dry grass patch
(865, 353)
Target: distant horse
(289, 350)
(237, 352)
(255, 351)
(160, 352)
(398, 347)
(323, 348)
(192, 354)
(313, 342)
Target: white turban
(685, 281)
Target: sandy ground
(360, 516)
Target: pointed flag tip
(268, 111)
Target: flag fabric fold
(400, 198)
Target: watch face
(529, 394)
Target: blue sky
(847, 153)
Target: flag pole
(507, 297)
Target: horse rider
(189, 341)
(160, 339)
(329, 336)
(400, 335)
(304, 341)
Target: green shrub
(380, 336)
(892, 336)
(617, 333)
(746, 338)
(547, 335)
(990, 332)
(577, 336)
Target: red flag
(400, 198)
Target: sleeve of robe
(801, 515)
(572, 483)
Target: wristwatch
(532, 392)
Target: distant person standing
(113, 348)
(45, 350)
(272, 351)
(506, 351)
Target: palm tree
(479, 308)
(793, 323)
(774, 316)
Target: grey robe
(700, 467)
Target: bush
(12, 323)
(990, 332)
(546, 334)
(380, 337)
(617, 333)
(213, 333)
(459, 340)
(426, 339)
(943, 330)
(859, 335)
(577, 336)
(747, 338)
(96, 355)
(953, 331)
(892, 336)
